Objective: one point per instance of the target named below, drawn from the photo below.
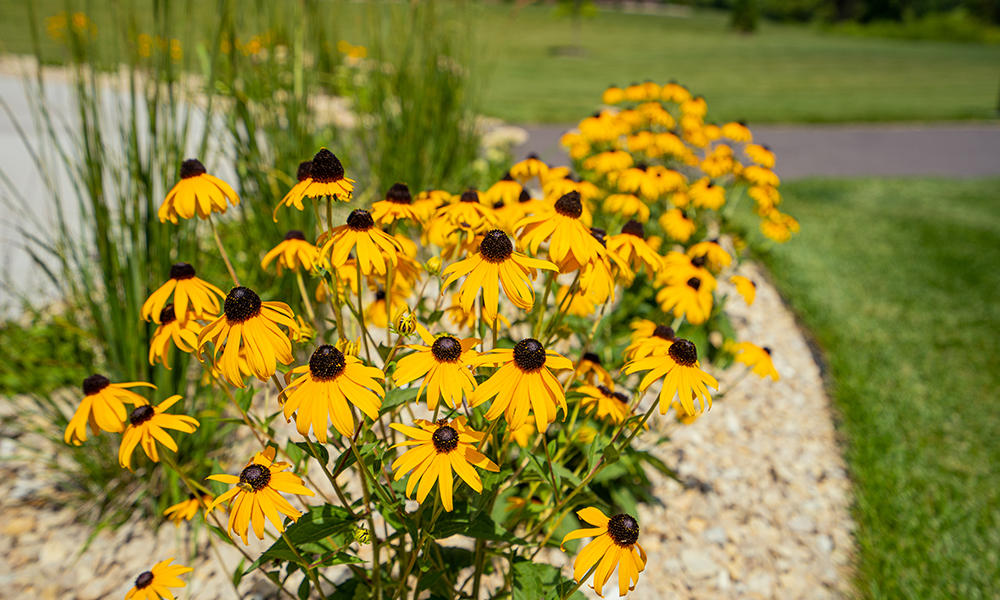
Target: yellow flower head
(649, 339)
(605, 403)
(398, 204)
(255, 495)
(445, 363)
(250, 325)
(563, 229)
(437, 451)
(627, 205)
(690, 298)
(705, 194)
(675, 92)
(715, 256)
(292, 253)
(761, 155)
(745, 287)
(591, 370)
(185, 510)
(606, 162)
(196, 193)
(294, 196)
(325, 390)
(103, 407)
(147, 425)
(682, 377)
(192, 296)
(615, 545)
(523, 384)
(495, 265)
(532, 166)
(631, 247)
(677, 225)
(377, 313)
(613, 95)
(737, 131)
(760, 176)
(182, 332)
(155, 583)
(756, 357)
(507, 190)
(374, 248)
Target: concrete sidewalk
(925, 149)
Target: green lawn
(899, 282)
(781, 74)
(538, 67)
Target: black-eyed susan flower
(682, 377)
(523, 384)
(398, 204)
(765, 198)
(103, 407)
(377, 312)
(778, 226)
(756, 357)
(255, 495)
(590, 369)
(183, 334)
(326, 179)
(147, 425)
(578, 304)
(191, 295)
(612, 95)
(745, 287)
(185, 510)
(648, 339)
(705, 194)
(615, 545)
(675, 92)
(495, 265)
(292, 253)
(627, 205)
(606, 162)
(757, 175)
(155, 584)
(677, 225)
(445, 364)
(523, 435)
(631, 247)
(466, 319)
(562, 228)
(737, 131)
(507, 190)
(690, 298)
(438, 450)
(759, 154)
(374, 249)
(716, 257)
(325, 390)
(247, 324)
(197, 193)
(605, 403)
(531, 166)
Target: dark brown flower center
(360, 220)
(469, 195)
(591, 357)
(529, 355)
(241, 304)
(379, 295)
(766, 349)
(664, 331)
(699, 261)
(295, 234)
(326, 167)
(607, 392)
(524, 196)
(143, 580)
(326, 363)
(256, 476)
(498, 205)
(694, 283)
(141, 414)
(305, 170)
(446, 349)
(570, 205)
(445, 439)
(623, 529)
(507, 177)
(399, 193)
(683, 352)
(621, 396)
(94, 384)
(181, 271)
(167, 315)
(598, 234)
(496, 246)
(635, 228)
(192, 167)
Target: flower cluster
(471, 334)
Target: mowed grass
(899, 280)
(536, 67)
(783, 73)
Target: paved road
(935, 149)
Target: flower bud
(348, 347)
(433, 265)
(406, 323)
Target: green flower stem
(305, 298)
(556, 319)
(376, 565)
(310, 572)
(552, 471)
(585, 577)
(537, 330)
(361, 311)
(222, 251)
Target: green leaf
(469, 521)
(539, 581)
(398, 397)
(304, 588)
(321, 453)
(610, 453)
(310, 537)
